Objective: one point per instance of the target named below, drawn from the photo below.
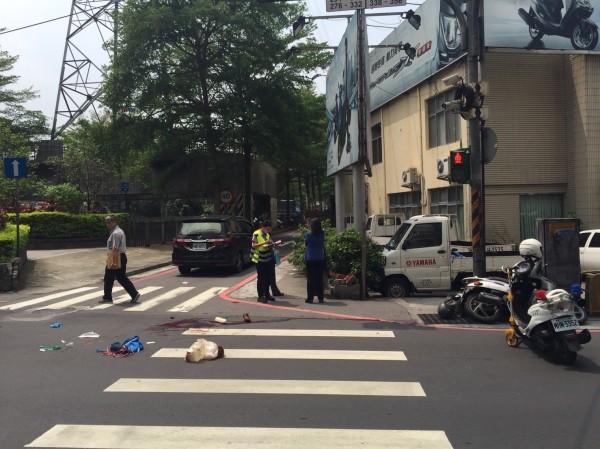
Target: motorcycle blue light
(576, 289)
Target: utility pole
(470, 30)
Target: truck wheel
(395, 288)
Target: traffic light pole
(474, 124)
(470, 27)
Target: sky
(40, 48)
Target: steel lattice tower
(81, 78)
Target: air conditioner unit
(443, 168)
(410, 177)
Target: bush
(8, 242)
(342, 250)
(65, 197)
(61, 225)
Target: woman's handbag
(276, 256)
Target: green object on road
(49, 348)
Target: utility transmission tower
(91, 30)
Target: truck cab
(418, 255)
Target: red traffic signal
(460, 166)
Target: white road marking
(125, 298)
(31, 302)
(197, 300)
(304, 354)
(272, 386)
(289, 333)
(71, 302)
(177, 437)
(146, 305)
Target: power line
(33, 25)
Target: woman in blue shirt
(314, 257)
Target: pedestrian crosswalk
(267, 434)
(177, 299)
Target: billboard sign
(342, 102)
(569, 25)
(437, 43)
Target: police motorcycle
(539, 312)
(483, 299)
(545, 17)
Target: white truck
(382, 227)
(426, 255)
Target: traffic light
(460, 166)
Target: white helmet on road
(530, 248)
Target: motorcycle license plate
(566, 323)
(199, 246)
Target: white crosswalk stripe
(289, 332)
(197, 300)
(126, 436)
(250, 386)
(125, 298)
(183, 302)
(148, 304)
(177, 437)
(32, 302)
(305, 354)
(77, 300)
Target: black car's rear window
(202, 227)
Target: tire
(584, 36)
(238, 264)
(535, 30)
(396, 288)
(581, 314)
(184, 270)
(484, 313)
(566, 356)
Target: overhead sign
(347, 5)
(15, 167)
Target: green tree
(206, 77)
(20, 130)
(65, 197)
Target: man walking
(116, 262)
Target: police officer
(263, 258)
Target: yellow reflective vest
(261, 249)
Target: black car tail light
(180, 242)
(221, 242)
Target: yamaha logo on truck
(420, 262)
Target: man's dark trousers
(119, 275)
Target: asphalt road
(383, 385)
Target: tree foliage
(20, 129)
(207, 77)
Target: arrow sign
(15, 167)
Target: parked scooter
(545, 17)
(539, 313)
(483, 299)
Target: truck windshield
(398, 236)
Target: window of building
(376, 144)
(444, 126)
(408, 203)
(449, 201)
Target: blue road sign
(15, 167)
(124, 186)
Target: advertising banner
(569, 25)
(342, 102)
(437, 42)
